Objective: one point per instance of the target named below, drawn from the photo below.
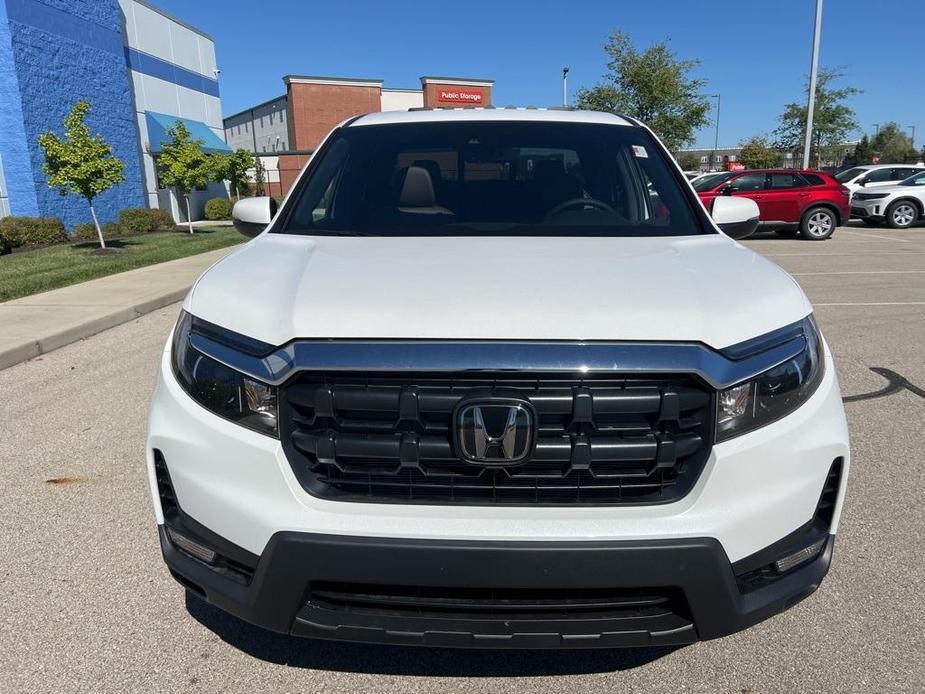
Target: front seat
(417, 194)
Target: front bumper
(868, 209)
(440, 585)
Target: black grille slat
(601, 439)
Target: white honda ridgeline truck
(494, 378)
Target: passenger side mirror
(252, 215)
(729, 189)
(736, 217)
(863, 181)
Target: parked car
(809, 202)
(900, 205)
(876, 175)
(474, 385)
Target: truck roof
(442, 115)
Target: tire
(818, 224)
(786, 233)
(902, 214)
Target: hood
(704, 288)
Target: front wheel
(818, 224)
(901, 214)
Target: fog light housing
(191, 547)
(801, 557)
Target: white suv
(900, 205)
(859, 178)
(494, 378)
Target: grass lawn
(30, 272)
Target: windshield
(849, 174)
(710, 181)
(917, 180)
(479, 178)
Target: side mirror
(863, 181)
(729, 190)
(251, 215)
(736, 217)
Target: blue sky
(755, 54)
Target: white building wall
(264, 128)
(401, 99)
(153, 32)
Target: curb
(34, 348)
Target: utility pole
(565, 86)
(814, 69)
(912, 128)
(716, 138)
(876, 129)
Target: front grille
(495, 603)
(164, 485)
(601, 439)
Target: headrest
(417, 189)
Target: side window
(811, 179)
(317, 203)
(780, 181)
(901, 174)
(879, 175)
(748, 183)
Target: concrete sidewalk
(42, 322)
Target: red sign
(735, 166)
(459, 96)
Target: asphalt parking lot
(88, 606)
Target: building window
(704, 159)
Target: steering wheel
(580, 202)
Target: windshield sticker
(640, 151)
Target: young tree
(833, 119)
(234, 168)
(260, 177)
(184, 165)
(757, 153)
(892, 145)
(653, 86)
(689, 162)
(81, 163)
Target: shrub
(218, 208)
(143, 220)
(31, 231)
(87, 232)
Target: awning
(158, 123)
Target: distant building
(721, 159)
(285, 131)
(140, 68)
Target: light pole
(912, 128)
(876, 129)
(716, 138)
(565, 86)
(814, 68)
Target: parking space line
(832, 255)
(877, 236)
(874, 303)
(860, 272)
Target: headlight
(219, 388)
(870, 196)
(773, 394)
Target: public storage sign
(458, 96)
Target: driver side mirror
(729, 190)
(863, 181)
(252, 215)
(736, 217)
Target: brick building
(285, 131)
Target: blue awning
(158, 123)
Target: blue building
(140, 68)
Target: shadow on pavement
(398, 660)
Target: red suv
(810, 202)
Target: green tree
(863, 152)
(260, 177)
(233, 168)
(757, 153)
(184, 165)
(81, 163)
(833, 119)
(892, 145)
(689, 162)
(653, 86)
